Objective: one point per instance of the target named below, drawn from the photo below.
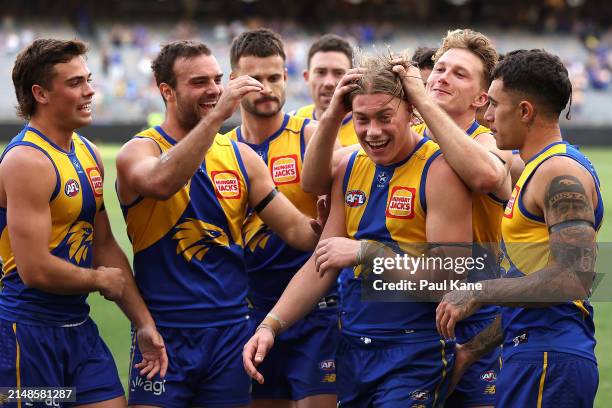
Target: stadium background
(124, 35)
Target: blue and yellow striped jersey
(387, 204)
(567, 327)
(188, 250)
(346, 134)
(270, 261)
(75, 201)
(487, 211)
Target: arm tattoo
(485, 341)
(570, 218)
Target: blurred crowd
(120, 56)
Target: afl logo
(72, 188)
(488, 376)
(355, 198)
(327, 365)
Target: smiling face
(381, 123)
(457, 82)
(326, 70)
(70, 95)
(198, 87)
(272, 74)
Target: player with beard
(185, 190)
(304, 370)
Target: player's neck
(173, 128)
(464, 121)
(256, 129)
(53, 131)
(537, 138)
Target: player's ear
(481, 100)
(306, 75)
(527, 111)
(166, 91)
(40, 94)
(232, 75)
(286, 75)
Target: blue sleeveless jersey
(566, 327)
(188, 250)
(74, 203)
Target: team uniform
(48, 339)
(548, 353)
(301, 363)
(189, 267)
(346, 134)
(477, 387)
(390, 353)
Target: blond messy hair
(378, 76)
(475, 42)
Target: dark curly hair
(539, 75)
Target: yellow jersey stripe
(542, 379)
(444, 368)
(17, 364)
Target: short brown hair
(261, 42)
(475, 42)
(163, 64)
(35, 66)
(331, 42)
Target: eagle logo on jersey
(196, 237)
(80, 237)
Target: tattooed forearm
(485, 341)
(569, 214)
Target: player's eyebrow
(79, 77)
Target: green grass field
(115, 328)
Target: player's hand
(230, 97)
(454, 307)
(337, 108)
(323, 204)
(154, 357)
(110, 282)
(254, 352)
(336, 253)
(463, 360)
(412, 81)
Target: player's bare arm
(488, 170)
(107, 253)
(275, 210)
(27, 192)
(317, 168)
(143, 171)
(480, 345)
(302, 293)
(564, 194)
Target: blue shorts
(205, 369)
(48, 356)
(547, 379)
(478, 384)
(302, 361)
(390, 375)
